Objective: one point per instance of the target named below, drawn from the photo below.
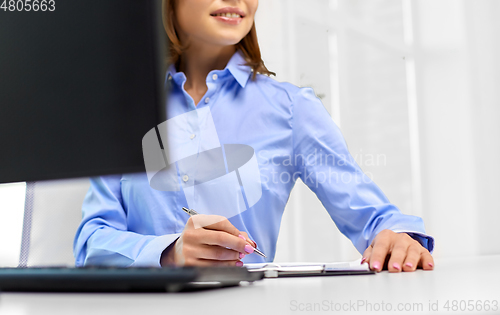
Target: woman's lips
(229, 10)
(228, 20)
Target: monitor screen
(81, 83)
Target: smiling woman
(220, 95)
(233, 16)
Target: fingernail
(396, 266)
(242, 237)
(431, 265)
(242, 255)
(409, 264)
(376, 265)
(248, 249)
(239, 263)
(254, 244)
(363, 260)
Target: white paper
(308, 266)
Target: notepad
(304, 269)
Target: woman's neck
(197, 62)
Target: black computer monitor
(81, 83)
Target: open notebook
(303, 269)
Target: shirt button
(207, 100)
(185, 178)
(215, 77)
(192, 136)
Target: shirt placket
(214, 80)
(186, 172)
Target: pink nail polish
(242, 237)
(363, 260)
(242, 255)
(376, 265)
(409, 264)
(431, 265)
(239, 263)
(248, 249)
(396, 266)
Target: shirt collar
(236, 66)
(238, 69)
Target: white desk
(460, 279)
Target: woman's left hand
(397, 252)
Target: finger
(213, 222)
(426, 260)
(366, 255)
(215, 253)
(214, 263)
(398, 255)
(223, 239)
(219, 223)
(412, 257)
(381, 248)
(251, 242)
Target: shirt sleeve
(355, 203)
(102, 237)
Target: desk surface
(458, 283)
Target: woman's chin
(229, 37)
(229, 41)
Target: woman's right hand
(208, 240)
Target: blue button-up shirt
(128, 223)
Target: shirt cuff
(151, 254)
(425, 240)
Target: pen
(192, 212)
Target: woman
(220, 87)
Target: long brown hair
(248, 45)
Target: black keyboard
(110, 279)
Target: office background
(413, 85)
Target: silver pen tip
(260, 253)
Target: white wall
(458, 78)
(413, 81)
